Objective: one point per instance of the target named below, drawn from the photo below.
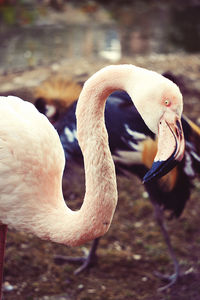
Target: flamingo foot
(172, 279)
(86, 262)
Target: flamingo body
(31, 171)
(26, 167)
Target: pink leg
(3, 231)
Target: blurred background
(45, 38)
(59, 33)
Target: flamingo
(32, 157)
(133, 147)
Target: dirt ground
(133, 249)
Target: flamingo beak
(171, 146)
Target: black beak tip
(153, 172)
(159, 169)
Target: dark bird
(133, 147)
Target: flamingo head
(161, 110)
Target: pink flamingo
(32, 158)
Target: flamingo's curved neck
(95, 216)
(100, 197)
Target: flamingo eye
(167, 102)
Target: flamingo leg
(174, 277)
(3, 231)
(86, 262)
